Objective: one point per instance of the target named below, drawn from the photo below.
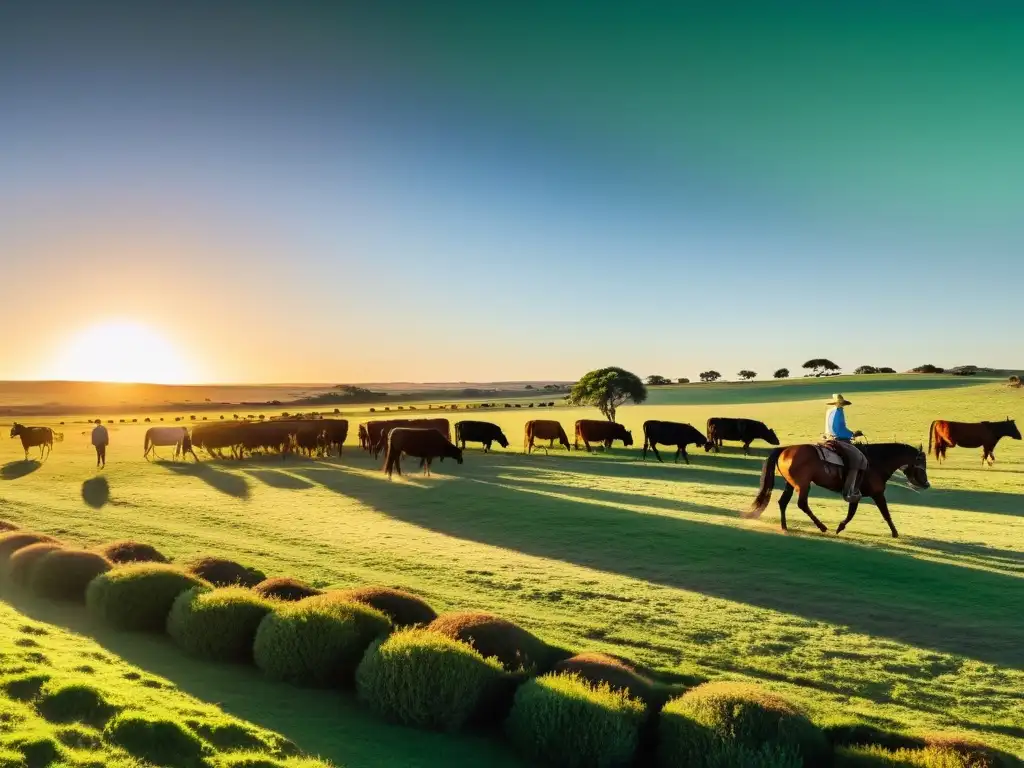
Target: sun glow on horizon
(122, 351)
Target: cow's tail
(931, 434)
(767, 484)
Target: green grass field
(605, 552)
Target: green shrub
(874, 756)
(131, 552)
(975, 754)
(78, 737)
(283, 588)
(24, 687)
(22, 562)
(225, 573)
(851, 731)
(705, 726)
(563, 720)
(217, 624)
(229, 736)
(64, 574)
(138, 596)
(423, 678)
(600, 668)
(73, 702)
(155, 740)
(403, 608)
(317, 641)
(35, 749)
(12, 541)
(494, 637)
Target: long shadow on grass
(330, 724)
(942, 606)
(225, 482)
(96, 492)
(275, 478)
(14, 470)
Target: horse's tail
(767, 484)
(931, 434)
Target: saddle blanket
(828, 455)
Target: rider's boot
(851, 491)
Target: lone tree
(863, 369)
(654, 380)
(747, 375)
(606, 389)
(709, 376)
(821, 366)
(782, 373)
(682, 381)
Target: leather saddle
(828, 454)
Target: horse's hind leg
(784, 499)
(849, 516)
(802, 503)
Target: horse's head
(1011, 428)
(771, 438)
(916, 471)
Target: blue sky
(459, 193)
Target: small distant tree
(821, 366)
(606, 389)
(964, 370)
(654, 380)
(1015, 381)
(709, 376)
(782, 373)
(747, 375)
(886, 370)
(865, 369)
(682, 381)
(528, 386)
(927, 368)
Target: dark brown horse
(36, 437)
(800, 465)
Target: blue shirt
(835, 425)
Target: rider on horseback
(840, 439)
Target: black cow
(336, 431)
(424, 444)
(671, 433)
(745, 431)
(604, 432)
(479, 432)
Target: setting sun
(122, 352)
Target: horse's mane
(886, 451)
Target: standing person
(840, 437)
(100, 439)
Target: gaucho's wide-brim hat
(839, 400)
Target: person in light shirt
(100, 440)
(840, 437)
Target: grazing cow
(378, 431)
(336, 431)
(544, 429)
(424, 444)
(745, 431)
(479, 432)
(597, 431)
(309, 437)
(950, 434)
(42, 438)
(671, 433)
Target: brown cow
(425, 444)
(378, 431)
(598, 431)
(950, 434)
(541, 429)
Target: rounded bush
(155, 740)
(563, 720)
(600, 668)
(12, 541)
(403, 608)
(283, 588)
(217, 624)
(74, 702)
(225, 573)
(22, 562)
(131, 552)
(138, 596)
(422, 678)
(845, 731)
(510, 644)
(712, 723)
(64, 574)
(975, 754)
(317, 641)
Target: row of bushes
(456, 670)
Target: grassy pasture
(607, 553)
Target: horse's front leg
(849, 517)
(883, 507)
(802, 503)
(784, 502)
